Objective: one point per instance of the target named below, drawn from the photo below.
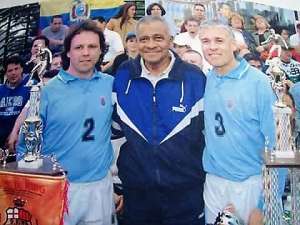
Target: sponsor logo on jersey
(230, 104)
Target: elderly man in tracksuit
(159, 107)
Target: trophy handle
(4, 153)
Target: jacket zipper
(155, 147)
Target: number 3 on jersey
(219, 128)
(89, 124)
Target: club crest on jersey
(102, 101)
(230, 103)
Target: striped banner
(76, 10)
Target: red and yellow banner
(32, 199)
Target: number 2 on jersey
(219, 129)
(89, 124)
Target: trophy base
(271, 161)
(30, 158)
(44, 166)
(280, 105)
(24, 164)
(284, 154)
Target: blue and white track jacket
(162, 125)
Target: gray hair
(217, 23)
(151, 19)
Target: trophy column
(283, 156)
(273, 212)
(272, 205)
(295, 192)
(32, 130)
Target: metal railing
(17, 27)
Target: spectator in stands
(49, 75)
(237, 22)
(30, 59)
(124, 21)
(56, 33)
(285, 34)
(191, 38)
(114, 44)
(156, 9)
(193, 57)
(254, 60)
(296, 53)
(290, 66)
(260, 35)
(295, 43)
(198, 13)
(295, 38)
(13, 96)
(224, 13)
(131, 52)
(56, 63)
(179, 45)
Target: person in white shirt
(113, 42)
(191, 38)
(295, 38)
(199, 13)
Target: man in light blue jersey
(76, 109)
(238, 122)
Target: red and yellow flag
(32, 199)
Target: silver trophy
(278, 81)
(277, 75)
(284, 154)
(32, 126)
(41, 60)
(4, 153)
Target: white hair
(217, 23)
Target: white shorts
(90, 203)
(220, 192)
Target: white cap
(179, 40)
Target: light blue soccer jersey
(238, 119)
(76, 116)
